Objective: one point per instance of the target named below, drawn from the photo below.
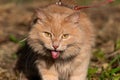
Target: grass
(117, 46)
(108, 68)
(14, 39)
(108, 73)
(111, 73)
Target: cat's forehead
(58, 23)
(58, 9)
(55, 19)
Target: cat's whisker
(23, 40)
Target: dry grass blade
(113, 54)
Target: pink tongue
(55, 54)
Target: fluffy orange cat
(58, 46)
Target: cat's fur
(47, 30)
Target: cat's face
(57, 33)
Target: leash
(76, 7)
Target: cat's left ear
(74, 18)
(40, 16)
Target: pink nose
(55, 46)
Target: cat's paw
(49, 77)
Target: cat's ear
(40, 16)
(73, 18)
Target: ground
(105, 63)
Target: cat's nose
(55, 46)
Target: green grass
(108, 73)
(117, 46)
(14, 39)
(108, 69)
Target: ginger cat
(58, 46)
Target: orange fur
(75, 47)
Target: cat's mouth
(55, 54)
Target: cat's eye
(65, 36)
(47, 34)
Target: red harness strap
(83, 7)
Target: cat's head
(56, 34)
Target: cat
(58, 45)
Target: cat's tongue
(55, 54)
